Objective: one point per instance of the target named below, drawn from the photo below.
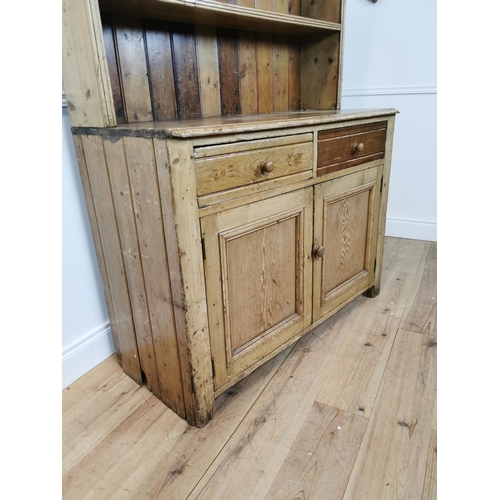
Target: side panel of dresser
(147, 259)
(375, 289)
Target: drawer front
(350, 146)
(228, 166)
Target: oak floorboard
(120, 442)
(257, 449)
(392, 459)
(358, 365)
(420, 316)
(321, 458)
(169, 457)
(430, 484)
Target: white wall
(389, 62)
(86, 336)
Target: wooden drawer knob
(318, 251)
(266, 167)
(358, 147)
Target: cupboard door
(345, 234)
(258, 278)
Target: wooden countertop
(201, 127)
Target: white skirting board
(411, 229)
(87, 352)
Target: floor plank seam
(242, 419)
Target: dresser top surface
(201, 127)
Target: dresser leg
(372, 292)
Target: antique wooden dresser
(234, 206)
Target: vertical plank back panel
(208, 70)
(116, 87)
(319, 72)
(229, 71)
(280, 72)
(165, 71)
(248, 72)
(185, 70)
(160, 69)
(329, 10)
(134, 72)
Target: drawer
(350, 146)
(229, 166)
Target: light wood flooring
(348, 412)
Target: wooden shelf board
(214, 13)
(200, 127)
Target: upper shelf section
(215, 13)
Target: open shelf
(213, 13)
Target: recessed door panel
(258, 278)
(346, 221)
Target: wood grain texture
(248, 72)
(151, 452)
(256, 451)
(114, 76)
(134, 71)
(294, 73)
(421, 316)
(266, 325)
(126, 221)
(185, 70)
(160, 69)
(146, 197)
(344, 241)
(270, 436)
(280, 73)
(194, 344)
(332, 150)
(227, 14)
(344, 237)
(329, 10)
(208, 69)
(393, 455)
(265, 72)
(358, 365)
(430, 485)
(94, 226)
(261, 273)
(229, 71)
(85, 73)
(319, 78)
(319, 462)
(124, 335)
(238, 169)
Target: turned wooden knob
(358, 147)
(266, 167)
(318, 251)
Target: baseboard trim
(87, 352)
(411, 229)
(419, 90)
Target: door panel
(258, 277)
(346, 226)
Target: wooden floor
(348, 412)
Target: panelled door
(345, 234)
(258, 276)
